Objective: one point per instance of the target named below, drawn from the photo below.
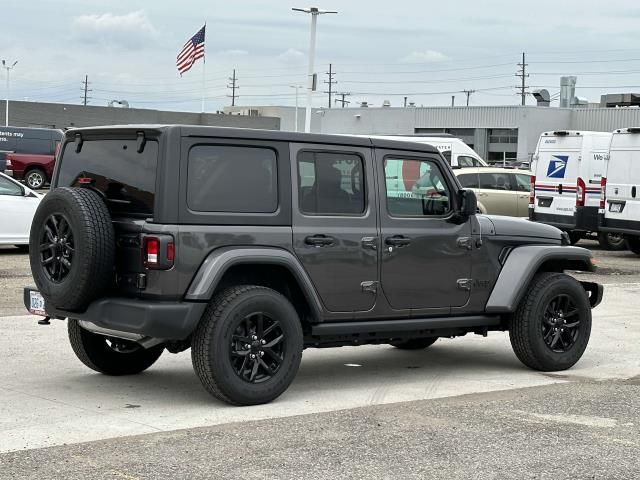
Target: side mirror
(468, 203)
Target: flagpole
(204, 63)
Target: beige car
(500, 191)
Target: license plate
(544, 202)
(36, 304)
(615, 207)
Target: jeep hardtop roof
(253, 134)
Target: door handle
(319, 240)
(370, 243)
(397, 241)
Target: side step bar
(398, 326)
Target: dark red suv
(30, 153)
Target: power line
(86, 89)
(522, 73)
(468, 94)
(330, 82)
(233, 88)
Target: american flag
(192, 51)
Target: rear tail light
(151, 250)
(532, 192)
(159, 252)
(8, 163)
(603, 193)
(580, 193)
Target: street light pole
(6, 111)
(296, 87)
(314, 11)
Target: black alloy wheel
(56, 247)
(561, 325)
(257, 348)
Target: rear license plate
(36, 304)
(615, 207)
(544, 202)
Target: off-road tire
(211, 344)
(415, 343)
(95, 352)
(525, 326)
(608, 242)
(35, 178)
(92, 262)
(634, 244)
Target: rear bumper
(164, 320)
(8, 172)
(626, 227)
(563, 222)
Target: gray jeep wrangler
(248, 246)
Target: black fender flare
(523, 263)
(215, 265)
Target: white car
(17, 206)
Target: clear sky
(380, 50)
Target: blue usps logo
(557, 166)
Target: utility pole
(343, 102)
(85, 99)
(522, 73)
(330, 82)
(468, 94)
(233, 88)
(297, 87)
(8, 68)
(405, 102)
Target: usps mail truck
(565, 187)
(620, 188)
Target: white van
(457, 153)
(620, 198)
(565, 187)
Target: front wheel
(248, 345)
(111, 356)
(551, 327)
(35, 178)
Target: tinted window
(447, 155)
(523, 182)
(126, 178)
(232, 179)
(467, 161)
(330, 183)
(7, 187)
(35, 146)
(469, 180)
(495, 181)
(415, 188)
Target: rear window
(126, 178)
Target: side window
(34, 146)
(467, 161)
(468, 180)
(523, 182)
(495, 181)
(7, 187)
(232, 179)
(330, 183)
(415, 188)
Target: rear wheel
(248, 345)
(575, 237)
(612, 241)
(415, 343)
(35, 178)
(551, 327)
(634, 244)
(111, 356)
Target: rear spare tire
(72, 248)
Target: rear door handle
(319, 240)
(397, 241)
(370, 243)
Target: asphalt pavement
(463, 408)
